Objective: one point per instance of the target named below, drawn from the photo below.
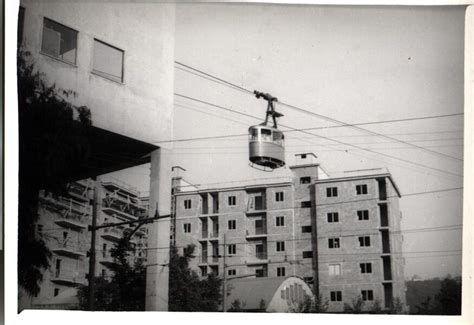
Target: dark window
(334, 243)
(231, 272)
(331, 191)
(58, 267)
(306, 229)
(365, 267)
(279, 197)
(361, 189)
(333, 217)
(336, 295)
(103, 273)
(108, 61)
(363, 215)
(281, 271)
(260, 273)
(367, 295)
(231, 200)
(59, 41)
(231, 224)
(303, 156)
(280, 221)
(56, 292)
(306, 204)
(187, 204)
(364, 241)
(280, 246)
(21, 22)
(187, 227)
(231, 249)
(203, 270)
(104, 250)
(305, 180)
(308, 254)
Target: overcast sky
(354, 64)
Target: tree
(126, 289)
(310, 305)
(396, 307)
(446, 302)
(448, 299)
(186, 291)
(53, 142)
(237, 306)
(355, 307)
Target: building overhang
(110, 152)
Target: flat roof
(362, 176)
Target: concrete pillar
(157, 273)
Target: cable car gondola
(266, 142)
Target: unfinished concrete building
(340, 233)
(63, 226)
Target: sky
(353, 64)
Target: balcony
(112, 234)
(66, 278)
(72, 222)
(79, 190)
(107, 261)
(115, 212)
(260, 232)
(68, 252)
(67, 205)
(261, 255)
(256, 204)
(258, 259)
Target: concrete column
(157, 274)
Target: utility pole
(224, 293)
(95, 211)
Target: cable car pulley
(266, 142)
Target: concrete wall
(141, 106)
(245, 225)
(348, 229)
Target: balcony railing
(261, 255)
(215, 259)
(260, 230)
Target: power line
(316, 135)
(303, 139)
(290, 128)
(332, 120)
(231, 136)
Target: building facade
(341, 234)
(63, 226)
(117, 59)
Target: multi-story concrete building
(118, 59)
(341, 233)
(63, 225)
